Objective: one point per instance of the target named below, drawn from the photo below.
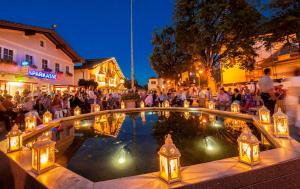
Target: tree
(87, 83)
(127, 83)
(284, 24)
(166, 59)
(218, 32)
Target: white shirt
(265, 84)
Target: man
(266, 87)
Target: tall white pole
(131, 43)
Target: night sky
(98, 28)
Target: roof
(51, 34)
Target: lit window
(44, 63)
(29, 59)
(8, 54)
(56, 67)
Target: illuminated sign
(24, 63)
(41, 74)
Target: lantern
(142, 104)
(235, 107)
(264, 115)
(43, 155)
(14, 139)
(166, 104)
(281, 127)
(122, 105)
(169, 161)
(97, 118)
(248, 148)
(30, 122)
(77, 111)
(186, 104)
(95, 108)
(47, 117)
(211, 105)
(143, 117)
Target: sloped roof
(51, 34)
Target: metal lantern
(47, 117)
(248, 147)
(142, 104)
(122, 105)
(14, 139)
(30, 122)
(264, 115)
(211, 105)
(43, 155)
(186, 104)
(281, 127)
(235, 107)
(95, 108)
(77, 111)
(166, 104)
(169, 161)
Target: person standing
(266, 87)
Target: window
(44, 63)
(67, 69)
(29, 59)
(42, 43)
(56, 67)
(8, 54)
(0, 52)
(153, 82)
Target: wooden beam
(29, 32)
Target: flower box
(11, 62)
(69, 74)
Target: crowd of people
(14, 108)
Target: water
(125, 145)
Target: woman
(56, 107)
(236, 96)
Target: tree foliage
(284, 23)
(87, 83)
(167, 60)
(217, 31)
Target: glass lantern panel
(46, 157)
(14, 143)
(174, 168)
(34, 162)
(281, 124)
(245, 152)
(163, 167)
(256, 153)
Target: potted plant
(130, 99)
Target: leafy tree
(127, 83)
(87, 83)
(218, 32)
(284, 23)
(167, 60)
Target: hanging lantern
(142, 104)
(47, 117)
(122, 105)
(43, 155)
(211, 105)
(14, 139)
(235, 107)
(143, 117)
(166, 104)
(281, 127)
(169, 161)
(30, 122)
(77, 111)
(248, 147)
(186, 104)
(264, 115)
(95, 108)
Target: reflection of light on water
(217, 124)
(210, 145)
(122, 158)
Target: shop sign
(24, 63)
(41, 74)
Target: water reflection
(109, 124)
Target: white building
(34, 57)
(156, 84)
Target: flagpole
(131, 43)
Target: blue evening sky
(98, 28)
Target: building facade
(33, 57)
(105, 71)
(156, 84)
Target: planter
(130, 103)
